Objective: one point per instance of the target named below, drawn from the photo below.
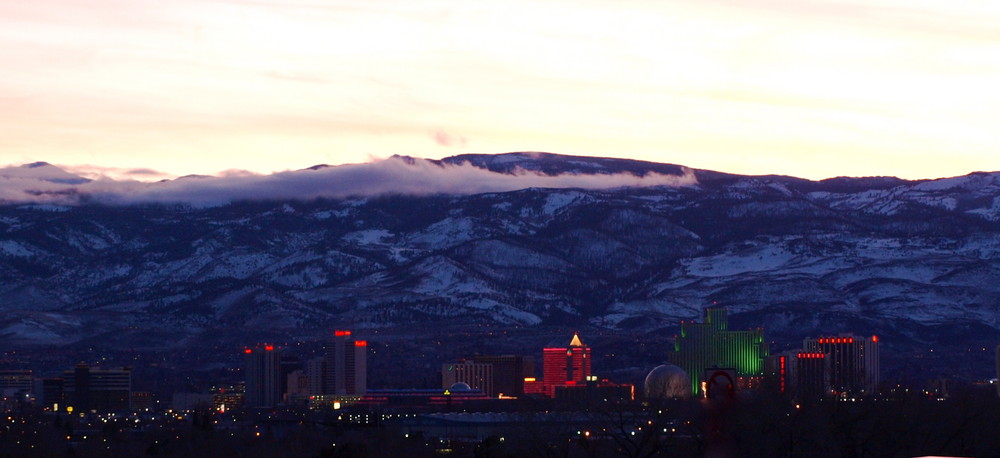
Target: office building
(509, 372)
(479, 376)
(54, 393)
(15, 382)
(780, 371)
(262, 375)
(287, 365)
(711, 344)
(346, 364)
(94, 389)
(853, 361)
(812, 376)
(226, 398)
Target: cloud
(97, 172)
(445, 139)
(395, 175)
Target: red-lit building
(563, 366)
(779, 372)
(346, 361)
(853, 362)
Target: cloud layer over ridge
(395, 175)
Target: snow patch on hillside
(759, 259)
(368, 236)
(17, 249)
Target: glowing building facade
(562, 366)
(346, 361)
(853, 363)
(711, 344)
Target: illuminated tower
(346, 364)
(711, 344)
(562, 366)
(262, 369)
(853, 361)
(568, 365)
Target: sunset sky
(798, 87)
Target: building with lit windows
(495, 375)
(853, 363)
(15, 382)
(262, 372)
(479, 376)
(226, 398)
(561, 366)
(779, 372)
(346, 361)
(711, 344)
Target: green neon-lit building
(712, 344)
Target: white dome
(667, 382)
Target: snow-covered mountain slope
(914, 261)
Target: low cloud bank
(388, 176)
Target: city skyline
(813, 89)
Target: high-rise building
(812, 376)
(562, 366)
(102, 390)
(711, 344)
(54, 393)
(346, 365)
(479, 376)
(14, 382)
(262, 372)
(509, 372)
(780, 371)
(853, 362)
(315, 373)
(288, 364)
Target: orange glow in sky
(809, 88)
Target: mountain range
(916, 262)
